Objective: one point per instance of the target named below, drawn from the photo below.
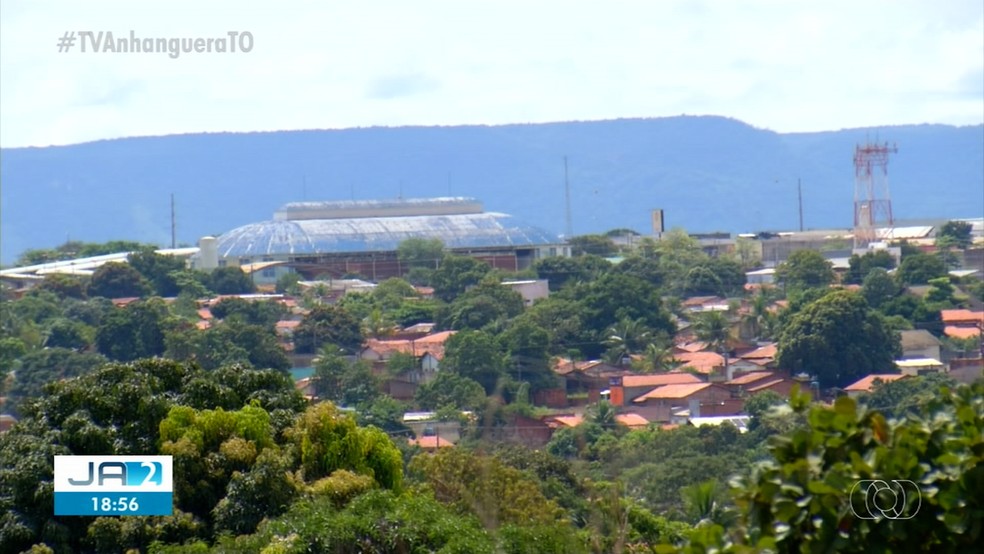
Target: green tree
(627, 337)
(595, 245)
(810, 494)
(560, 270)
(476, 355)
(838, 339)
(455, 274)
(714, 329)
(230, 280)
(918, 269)
(861, 266)
(265, 313)
(527, 354)
(288, 283)
(879, 287)
(158, 269)
(134, 331)
(325, 440)
(450, 389)
(65, 286)
(954, 234)
(805, 269)
(494, 492)
(420, 253)
(482, 305)
(118, 280)
(328, 325)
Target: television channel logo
(113, 485)
(885, 499)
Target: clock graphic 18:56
(115, 504)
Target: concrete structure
(361, 237)
(531, 290)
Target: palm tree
(625, 338)
(657, 357)
(713, 328)
(702, 505)
(603, 413)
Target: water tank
(209, 253)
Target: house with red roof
(627, 388)
(661, 403)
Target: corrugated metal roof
(374, 234)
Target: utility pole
(173, 234)
(567, 198)
(799, 192)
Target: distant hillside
(708, 173)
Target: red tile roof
(767, 351)
(961, 332)
(866, 384)
(432, 344)
(673, 391)
(702, 362)
(751, 377)
(962, 316)
(659, 379)
(632, 420)
(205, 313)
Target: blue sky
(781, 65)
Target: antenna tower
(872, 202)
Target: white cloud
(789, 66)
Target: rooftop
(673, 391)
(866, 384)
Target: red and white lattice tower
(872, 203)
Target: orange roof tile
(287, 324)
(702, 362)
(632, 420)
(432, 344)
(659, 379)
(750, 377)
(673, 391)
(565, 420)
(767, 351)
(866, 384)
(202, 325)
(961, 316)
(961, 332)
(205, 313)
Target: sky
(785, 65)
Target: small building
(660, 403)
(920, 366)
(426, 424)
(627, 388)
(531, 290)
(919, 343)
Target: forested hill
(708, 173)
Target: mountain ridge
(708, 173)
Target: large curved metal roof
(375, 234)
